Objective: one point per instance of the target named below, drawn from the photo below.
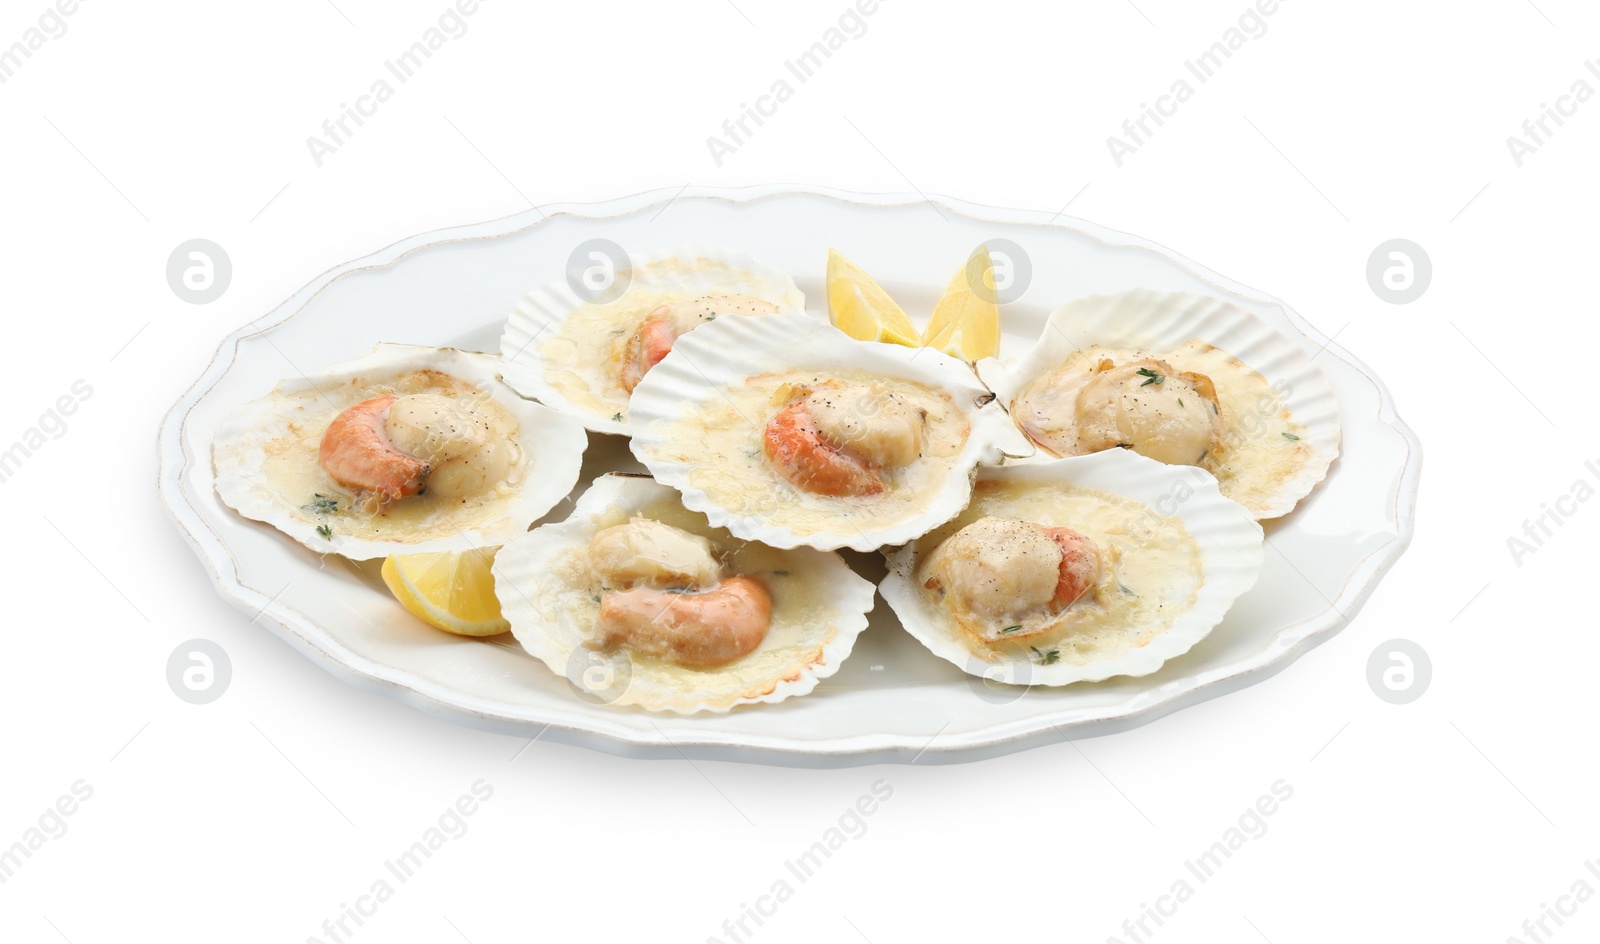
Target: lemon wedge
(966, 321)
(860, 307)
(452, 591)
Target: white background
(1453, 818)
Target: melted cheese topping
(721, 439)
(466, 499)
(1260, 445)
(1150, 572)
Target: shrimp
(649, 344)
(1079, 570)
(696, 629)
(809, 460)
(358, 454)
(838, 438)
(654, 338)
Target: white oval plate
(893, 701)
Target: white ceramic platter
(892, 701)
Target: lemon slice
(452, 591)
(860, 307)
(966, 321)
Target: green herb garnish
(321, 504)
(1010, 629)
(1151, 377)
(1291, 436)
(1180, 401)
(616, 417)
(325, 531)
(1049, 657)
(1125, 590)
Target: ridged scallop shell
(539, 363)
(721, 356)
(528, 581)
(1160, 322)
(552, 453)
(1231, 550)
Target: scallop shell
(723, 354)
(1160, 322)
(549, 466)
(539, 362)
(1231, 548)
(527, 581)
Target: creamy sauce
(583, 362)
(722, 439)
(803, 616)
(1150, 571)
(1262, 445)
(293, 472)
